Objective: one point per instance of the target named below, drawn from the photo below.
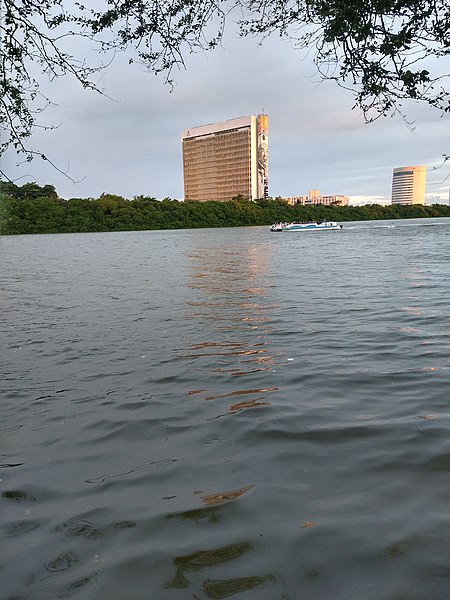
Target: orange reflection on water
(414, 279)
(201, 345)
(254, 290)
(242, 392)
(221, 497)
(204, 559)
(412, 309)
(255, 319)
(229, 301)
(236, 372)
(241, 373)
(232, 349)
(410, 330)
(222, 588)
(247, 404)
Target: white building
(314, 197)
(408, 185)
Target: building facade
(314, 197)
(408, 185)
(227, 159)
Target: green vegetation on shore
(33, 209)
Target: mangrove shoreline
(37, 210)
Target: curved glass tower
(408, 185)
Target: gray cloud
(130, 145)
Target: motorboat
(311, 226)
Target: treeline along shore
(31, 208)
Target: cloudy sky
(129, 142)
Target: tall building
(408, 185)
(227, 159)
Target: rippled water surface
(227, 413)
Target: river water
(227, 413)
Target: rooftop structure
(227, 159)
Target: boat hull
(296, 227)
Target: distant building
(227, 159)
(408, 185)
(314, 197)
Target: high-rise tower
(408, 185)
(227, 159)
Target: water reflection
(204, 559)
(417, 311)
(223, 588)
(230, 300)
(230, 360)
(247, 404)
(127, 490)
(222, 497)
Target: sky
(128, 141)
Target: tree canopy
(384, 50)
(30, 209)
(28, 191)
